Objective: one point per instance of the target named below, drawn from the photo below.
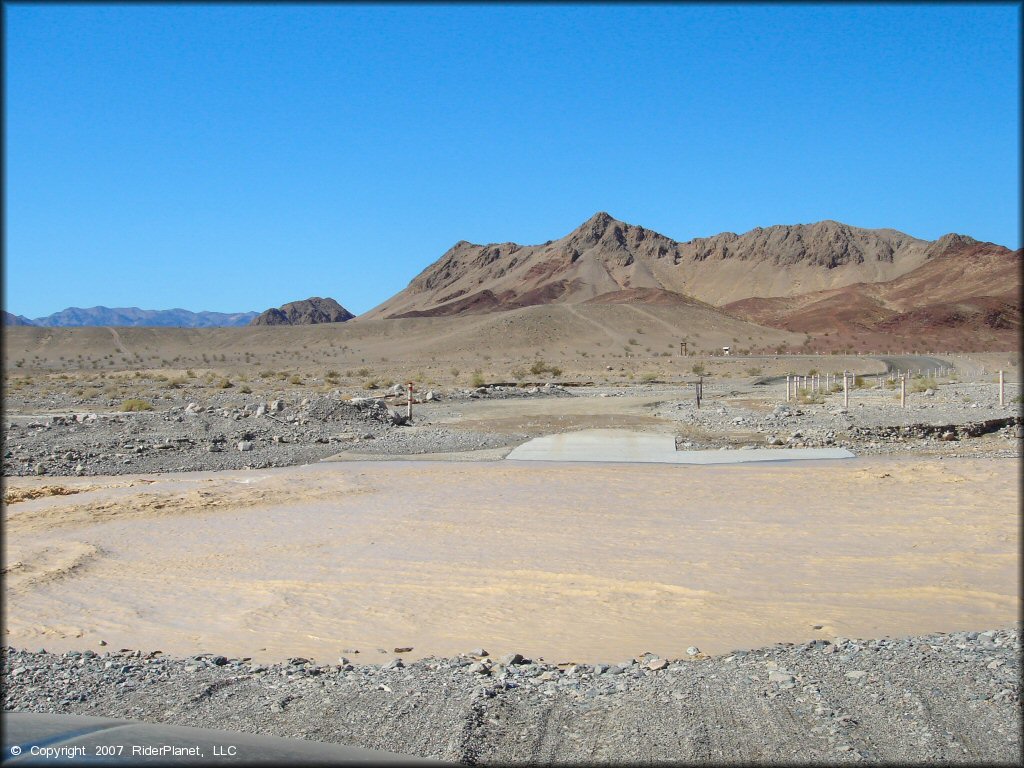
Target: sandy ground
(563, 562)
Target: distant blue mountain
(10, 319)
(133, 316)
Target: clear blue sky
(233, 157)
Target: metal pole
(903, 392)
(787, 387)
(408, 407)
(846, 391)
(1001, 388)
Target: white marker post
(408, 407)
(846, 390)
(1001, 388)
(903, 392)
(787, 387)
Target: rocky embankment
(238, 431)
(948, 422)
(933, 698)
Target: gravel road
(950, 698)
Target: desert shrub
(540, 367)
(920, 385)
(698, 368)
(245, 389)
(266, 374)
(648, 377)
(477, 378)
(753, 371)
(518, 374)
(362, 372)
(809, 397)
(295, 379)
(176, 383)
(224, 384)
(134, 404)
(633, 342)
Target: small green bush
(920, 385)
(136, 405)
(649, 377)
(295, 379)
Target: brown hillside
(967, 295)
(606, 256)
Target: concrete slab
(619, 445)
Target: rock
(276, 406)
(261, 409)
(693, 650)
(781, 677)
(856, 674)
(394, 664)
(478, 652)
(430, 396)
(657, 664)
(244, 445)
(220, 661)
(480, 668)
(403, 650)
(512, 658)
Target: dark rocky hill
(307, 312)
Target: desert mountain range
(825, 278)
(606, 256)
(843, 286)
(73, 317)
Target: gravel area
(946, 421)
(948, 698)
(237, 431)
